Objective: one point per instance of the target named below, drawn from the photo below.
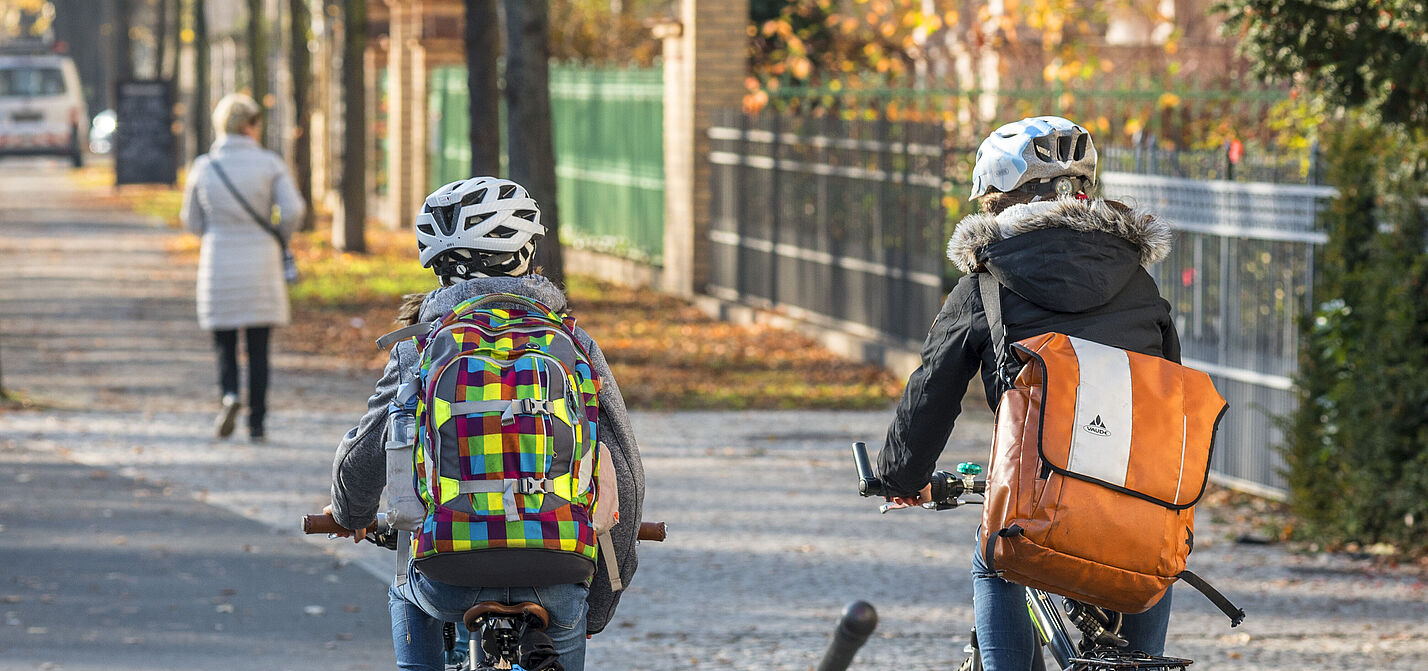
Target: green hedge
(1357, 448)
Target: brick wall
(705, 67)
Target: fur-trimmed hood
(976, 231)
(1063, 255)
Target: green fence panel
(449, 155)
(609, 157)
(608, 127)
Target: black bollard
(857, 624)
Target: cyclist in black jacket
(1065, 262)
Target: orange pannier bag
(1097, 461)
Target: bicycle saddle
(525, 610)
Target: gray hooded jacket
(359, 470)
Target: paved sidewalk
(106, 573)
(767, 538)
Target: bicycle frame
(1050, 626)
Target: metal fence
(844, 224)
(608, 128)
(834, 221)
(1238, 278)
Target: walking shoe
(227, 416)
(257, 437)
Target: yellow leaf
(1168, 100)
(802, 67)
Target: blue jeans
(1004, 633)
(419, 608)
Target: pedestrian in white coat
(229, 201)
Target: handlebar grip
(651, 531)
(868, 484)
(321, 524)
(854, 627)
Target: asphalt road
(102, 572)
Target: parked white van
(42, 110)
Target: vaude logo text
(1097, 427)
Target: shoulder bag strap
(990, 289)
(992, 307)
(263, 223)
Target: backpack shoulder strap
(419, 328)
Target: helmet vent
(502, 232)
(1080, 147)
(1042, 146)
(476, 197)
(472, 221)
(426, 228)
(1063, 148)
(528, 215)
(506, 192)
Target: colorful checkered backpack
(504, 458)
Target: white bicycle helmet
(1037, 151)
(478, 227)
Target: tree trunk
(528, 130)
(300, 62)
(257, 51)
(202, 54)
(348, 231)
(123, 49)
(161, 39)
(483, 50)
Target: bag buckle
(527, 406)
(533, 485)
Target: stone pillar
(423, 34)
(705, 64)
(402, 24)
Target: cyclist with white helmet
(1064, 261)
(479, 236)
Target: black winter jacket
(1074, 267)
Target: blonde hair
(235, 112)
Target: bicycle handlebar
(946, 488)
(323, 523)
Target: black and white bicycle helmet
(478, 227)
(1050, 153)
